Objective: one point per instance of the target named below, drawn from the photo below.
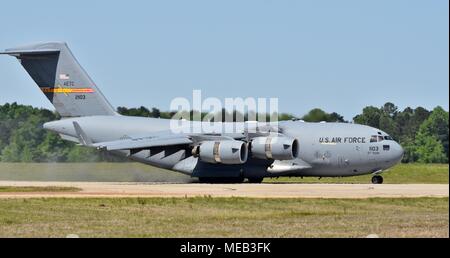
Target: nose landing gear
(377, 179)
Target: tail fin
(61, 78)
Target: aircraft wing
(161, 139)
(143, 142)
(157, 139)
(138, 142)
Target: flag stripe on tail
(67, 90)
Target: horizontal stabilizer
(29, 52)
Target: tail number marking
(79, 97)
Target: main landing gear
(377, 179)
(255, 180)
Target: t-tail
(62, 79)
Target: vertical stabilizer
(61, 78)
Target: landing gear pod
(276, 147)
(223, 152)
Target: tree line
(423, 134)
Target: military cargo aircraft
(287, 148)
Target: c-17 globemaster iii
(259, 150)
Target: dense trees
(143, 111)
(423, 134)
(432, 138)
(22, 138)
(318, 115)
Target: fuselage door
(343, 162)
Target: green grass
(400, 174)
(131, 172)
(224, 217)
(29, 189)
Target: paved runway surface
(103, 189)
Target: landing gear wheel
(377, 179)
(255, 180)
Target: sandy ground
(104, 189)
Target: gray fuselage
(330, 149)
(290, 148)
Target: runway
(279, 190)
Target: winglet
(82, 137)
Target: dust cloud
(90, 172)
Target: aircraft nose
(398, 152)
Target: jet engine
(274, 147)
(224, 152)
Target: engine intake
(274, 147)
(224, 152)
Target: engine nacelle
(274, 147)
(224, 152)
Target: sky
(339, 56)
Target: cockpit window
(379, 138)
(373, 138)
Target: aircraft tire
(255, 180)
(377, 179)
